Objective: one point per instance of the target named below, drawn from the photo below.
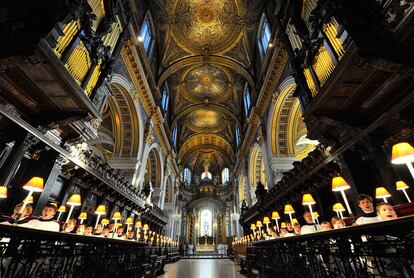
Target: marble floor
(202, 268)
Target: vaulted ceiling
(206, 52)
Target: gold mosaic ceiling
(207, 82)
(207, 91)
(206, 25)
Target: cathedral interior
(207, 138)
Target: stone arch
(286, 130)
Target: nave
(275, 136)
(202, 268)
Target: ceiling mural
(206, 61)
(206, 25)
(207, 83)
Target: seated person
(98, 230)
(297, 228)
(337, 222)
(69, 227)
(81, 229)
(367, 207)
(45, 221)
(24, 218)
(283, 232)
(130, 235)
(386, 212)
(325, 226)
(289, 230)
(309, 227)
(120, 233)
(272, 233)
(88, 231)
(105, 232)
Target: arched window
(225, 176)
(238, 136)
(146, 35)
(165, 100)
(264, 36)
(174, 136)
(247, 99)
(187, 176)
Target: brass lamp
(266, 221)
(402, 186)
(82, 217)
(403, 153)
(315, 216)
(289, 210)
(129, 221)
(340, 185)
(105, 221)
(3, 192)
(100, 210)
(276, 217)
(61, 209)
(382, 193)
(308, 200)
(35, 184)
(259, 225)
(283, 225)
(74, 201)
(339, 209)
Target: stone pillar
(11, 164)
(49, 185)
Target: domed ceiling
(206, 25)
(205, 64)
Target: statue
(146, 193)
(260, 192)
(206, 174)
(244, 207)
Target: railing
(384, 249)
(34, 253)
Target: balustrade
(383, 249)
(26, 252)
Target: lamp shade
(83, 215)
(74, 200)
(35, 184)
(116, 215)
(266, 220)
(100, 210)
(401, 185)
(118, 224)
(61, 209)
(138, 224)
(259, 223)
(105, 221)
(28, 200)
(339, 184)
(381, 192)
(275, 215)
(145, 227)
(129, 221)
(289, 209)
(402, 153)
(338, 207)
(283, 225)
(315, 214)
(3, 192)
(252, 227)
(308, 200)
(295, 220)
